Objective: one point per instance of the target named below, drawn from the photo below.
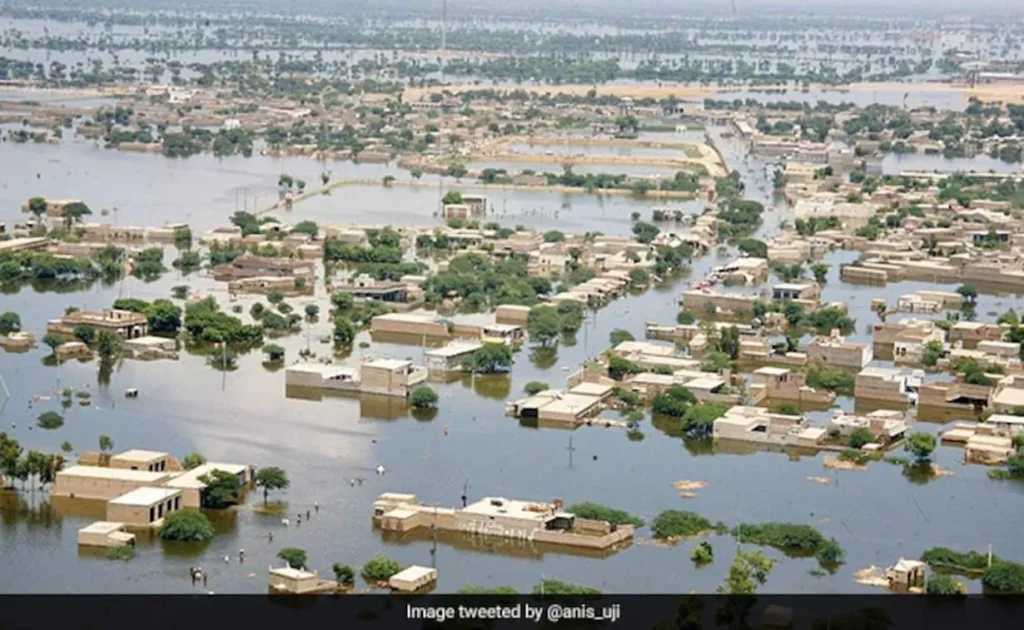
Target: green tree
(106, 444)
(645, 232)
(702, 553)
(53, 341)
(456, 170)
(969, 293)
(753, 248)
(344, 331)
(535, 387)
(749, 569)
(274, 352)
(820, 271)
(73, 213)
(294, 556)
(108, 344)
(66, 447)
(553, 236)
(311, 310)
(343, 573)
(931, 353)
(275, 296)
(37, 206)
(194, 459)
(221, 490)
(186, 526)
(920, 445)
(380, 568)
(387, 180)
(342, 301)
(50, 420)
(423, 397)
(491, 358)
(860, 437)
(9, 322)
(85, 334)
(452, 197)
(270, 478)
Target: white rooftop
(145, 496)
(455, 348)
(139, 455)
(101, 527)
(292, 573)
(388, 364)
(488, 506)
(414, 573)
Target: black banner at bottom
(658, 612)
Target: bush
(788, 409)
(685, 318)
(673, 402)
(968, 563)
(50, 420)
(832, 380)
(294, 556)
(793, 538)
(598, 512)
(473, 589)
(194, 459)
(920, 445)
(1006, 577)
(939, 584)
(679, 524)
(558, 587)
(186, 526)
(380, 568)
(123, 552)
(702, 553)
(535, 387)
(860, 437)
(619, 335)
(619, 367)
(343, 573)
(423, 397)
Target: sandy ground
(1005, 93)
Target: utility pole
(465, 484)
(433, 545)
(570, 448)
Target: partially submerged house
(886, 385)
(835, 351)
(127, 324)
(780, 384)
(388, 377)
(450, 357)
(886, 426)
(757, 425)
(533, 522)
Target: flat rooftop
(414, 574)
(101, 527)
(498, 506)
(292, 573)
(145, 496)
(326, 371)
(139, 455)
(388, 364)
(98, 472)
(455, 349)
(190, 479)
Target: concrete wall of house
(428, 328)
(863, 275)
(97, 488)
(382, 381)
(291, 585)
(698, 302)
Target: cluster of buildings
(139, 489)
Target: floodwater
(893, 164)
(245, 416)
